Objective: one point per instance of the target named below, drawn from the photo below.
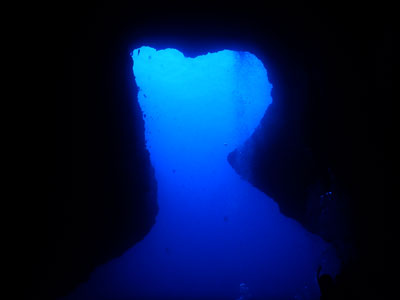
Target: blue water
(214, 230)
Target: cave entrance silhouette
(214, 231)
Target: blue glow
(214, 230)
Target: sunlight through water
(214, 230)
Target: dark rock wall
(330, 68)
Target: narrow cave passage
(214, 230)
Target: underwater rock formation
(328, 71)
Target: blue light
(214, 230)
(198, 109)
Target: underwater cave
(203, 151)
(216, 236)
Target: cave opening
(216, 236)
